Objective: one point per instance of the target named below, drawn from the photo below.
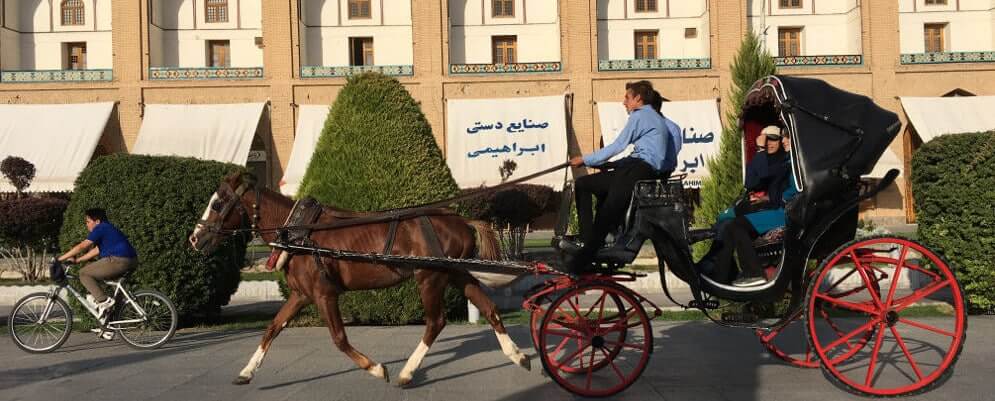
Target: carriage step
(732, 317)
(709, 304)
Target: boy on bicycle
(117, 256)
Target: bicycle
(41, 322)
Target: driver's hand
(576, 161)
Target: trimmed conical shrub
(377, 152)
(725, 181)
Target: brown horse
(322, 281)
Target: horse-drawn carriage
(883, 316)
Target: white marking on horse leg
(207, 213)
(407, 373)
(509, 348)
(250, 368)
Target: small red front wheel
(595, 340)
(918, 318)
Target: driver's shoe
(569, 244)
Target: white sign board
(481, 134)
(699, 121)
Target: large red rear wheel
(790, 344)
(918, 320)
(595, 340)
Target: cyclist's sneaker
(101, 333)
(89, 298)
(105, 306)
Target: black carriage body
(836, 137)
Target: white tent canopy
(887, 162)
(310, 122)
(935, 116)
(221, 132)
(58, 139)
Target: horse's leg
(328, 306)
(473, 292)
(431, 287)
(290, 308)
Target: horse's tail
(488, 247)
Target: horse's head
(225, 211)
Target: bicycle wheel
(40, 323)
(148, 331)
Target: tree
(377, 152)
(19, 172)
(725, 181)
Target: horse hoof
(241, 380)
(403, 381)
(525, 362)
(380, 371)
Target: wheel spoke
(841, 279)
(901, 343)
(565, 334)
(898, 273)
(624, 345)
(874, 354)
(590, 370)
(856, 307)
(925, 326)
(850, 335)
(579, 353)
(558, 349)
(600, 301)
(611, 361)
(867, 280)
(921, 293)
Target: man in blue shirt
(656, 140)
(117, 256)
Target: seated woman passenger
(737, 229)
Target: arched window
(73, 12)
(217, 10)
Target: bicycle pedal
(732, 317)
(709, 304)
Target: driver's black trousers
(613, 190)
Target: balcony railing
(95, 75)
(655, 64)
(948, 57)
(315, 71)
(504, 68)
(205, 73)
(829, 60)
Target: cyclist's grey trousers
(108, 268)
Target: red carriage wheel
(591, 347)
(918, 333)
(789, 342)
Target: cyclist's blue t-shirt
(111, 241)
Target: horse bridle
(229, 199)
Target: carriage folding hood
(836, 136)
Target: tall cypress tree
(377, 152)
(725, 181)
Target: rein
(427, 209)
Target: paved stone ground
(692, 361)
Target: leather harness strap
(428, 232)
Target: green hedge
(156, 201)
(377, 152)
(953, 182)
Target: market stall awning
(220, 132)
(310, 121)
(935, 116)
(887, 162)
(59, 139)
